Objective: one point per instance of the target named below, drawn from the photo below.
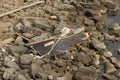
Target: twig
(18, 9)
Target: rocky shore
(88, 60)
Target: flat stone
(42, 24)
(26, 59)
(85, 74)
(115, 61)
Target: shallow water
(113, 46)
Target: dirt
(83, 60)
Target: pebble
(98, 45)
(114, 26)
(106, 53)
(26, 59)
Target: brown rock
(115, 61)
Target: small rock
(114, 26)
(96, 61)
(119, 50)
(106, 53)
(19, 25)
(8, 73)
(50, 77)
(20, 77)
(19, 41)
(54, 17)
(88, 22)
(28, 35)
(42, 76)
(108, 37)
(18, 48)
(68, 75)
(85, 74)
(26, 59)
(60, 63)
(9, 63)
(26, 22)
(115, 61)
(110, 68)
(108, 76)
(97, 44)
(35, 69)
(61, 78)
(42, 24)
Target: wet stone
(115, 61)
(106, 53)
(98, 45)
(26, 59)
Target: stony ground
(90, 61)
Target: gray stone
(85, 74)
(19, 41)
(98, 44)
(8, 73)
(35, 69)
(26, 22)
(26, 59)
(11, 64)
(42, 24)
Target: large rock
(85, 74)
